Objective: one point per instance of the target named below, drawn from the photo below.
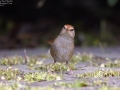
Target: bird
(62, 47)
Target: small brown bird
(62, 47)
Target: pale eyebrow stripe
(71, 28)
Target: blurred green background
(31, 23)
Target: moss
(75, 84)
(15, 60)
(100, 73)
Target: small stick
(26, 56)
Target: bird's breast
(62, 50)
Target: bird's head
(68, 30)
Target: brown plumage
(62, 47)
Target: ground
(88, 81)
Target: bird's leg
(61, 71)
(71, 72)
(51, 66)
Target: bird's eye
(71, 29)
(64, 27)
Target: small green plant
(14, 74)
(99, 82)
(18, 86)
(42, 76)
(55, 67)
(78, 84)
(10, 73)
(111, 64)
(105, 87)
(75, 84)
(100, 73)
(15, 60)
(81, 57)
